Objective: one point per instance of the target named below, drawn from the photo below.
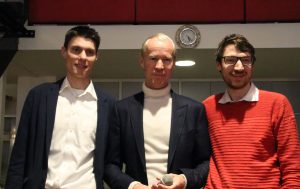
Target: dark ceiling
(272, 63)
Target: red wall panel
(161, 11)
(81, 11)
(197, 11)
(272, 10)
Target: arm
(288, 146)
(196, 178)
(113, 174)
(16, 169)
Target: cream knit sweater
(156, 124)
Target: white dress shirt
(70, 161)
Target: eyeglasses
(232, 60)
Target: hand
(140, 186)
(178, 183)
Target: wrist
(184, 180)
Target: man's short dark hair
(240, 42)
(82, 31)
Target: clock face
(187, 36)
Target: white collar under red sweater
(251, 96)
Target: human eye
(230, 60)
(76, 50)
(167, 60)
(246, 59)
(90, 52)
(153, 58)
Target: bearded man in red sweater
(253, 132)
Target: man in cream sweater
(157, 132)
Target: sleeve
(113, 174)
(15, 175)
(133, 184)
(196, 178)
(288, 145)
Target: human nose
(83, 55)
(239, 65)
(159, 64)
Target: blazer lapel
(51, 109)
(177, 124)
(136, 117)
(101, 121)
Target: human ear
(141, 62)
(219, 67)
(63, 51)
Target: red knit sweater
(255, 144)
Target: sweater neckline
(156, 92)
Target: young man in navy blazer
(62, 134)
(157, 131)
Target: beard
(236, 86)
(234, 83)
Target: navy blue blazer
(29, 158)
(189, 145)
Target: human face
(237, 76)
(80, 56)
(157, 63)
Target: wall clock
(187, 36)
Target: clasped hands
(178, 183)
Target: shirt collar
(251, 96)
(89, 90)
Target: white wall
(270, 35)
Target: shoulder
(184, 100)
(275, 100)
(104, 95)
(213, 98)
(41, 92)
(136, 98)
(45, 88)
(270, 96)
(133, 103)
